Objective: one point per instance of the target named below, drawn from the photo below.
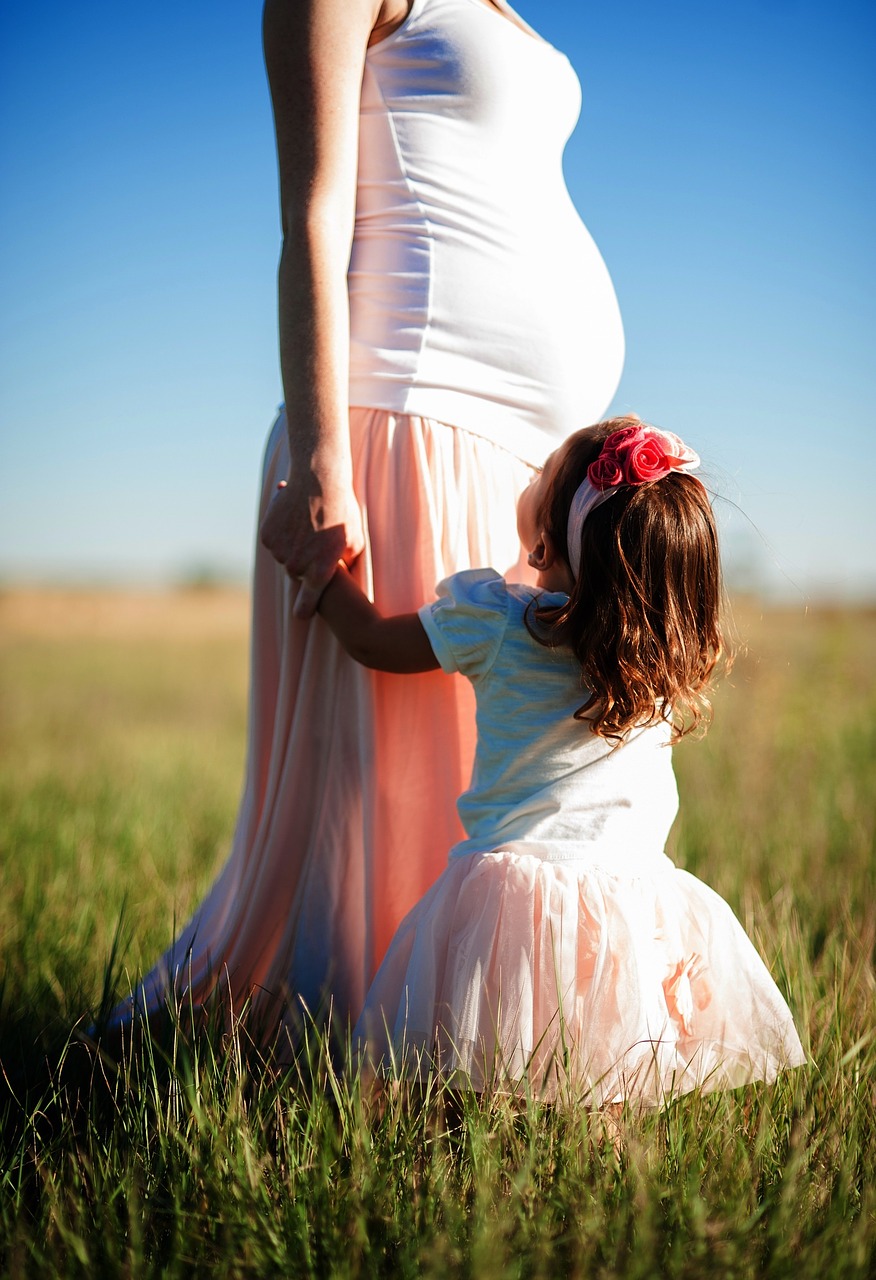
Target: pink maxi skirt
(349, 800)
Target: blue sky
(724, 162)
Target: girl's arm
(398, 644)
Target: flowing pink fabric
(348, 807)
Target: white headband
(630, 456)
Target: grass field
(122, 722)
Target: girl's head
(643, 614)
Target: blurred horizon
(723, 163)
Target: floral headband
(630, 456)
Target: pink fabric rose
(646, 460)
(680, 453)
(605, 472)
(638, 455)
(619, 441)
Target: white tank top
(477, 295)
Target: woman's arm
(398, 644)
(315, 54)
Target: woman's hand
(310, 525)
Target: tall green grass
(120, 766)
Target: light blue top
(542, 783)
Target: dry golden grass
(40, 613)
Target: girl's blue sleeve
(465, 625)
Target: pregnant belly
(546, 320)
(524, 316)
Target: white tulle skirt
(524, 974)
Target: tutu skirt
(524, 974)
(347, 770)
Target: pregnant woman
(445, 320)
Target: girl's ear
(543, 555)
(552, 572)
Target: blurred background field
(122, 732)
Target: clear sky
(724, 163)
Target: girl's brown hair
(643, 618)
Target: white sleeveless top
(477, 295)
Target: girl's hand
(309, 526)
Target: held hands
(308, 529)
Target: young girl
(561, 947)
